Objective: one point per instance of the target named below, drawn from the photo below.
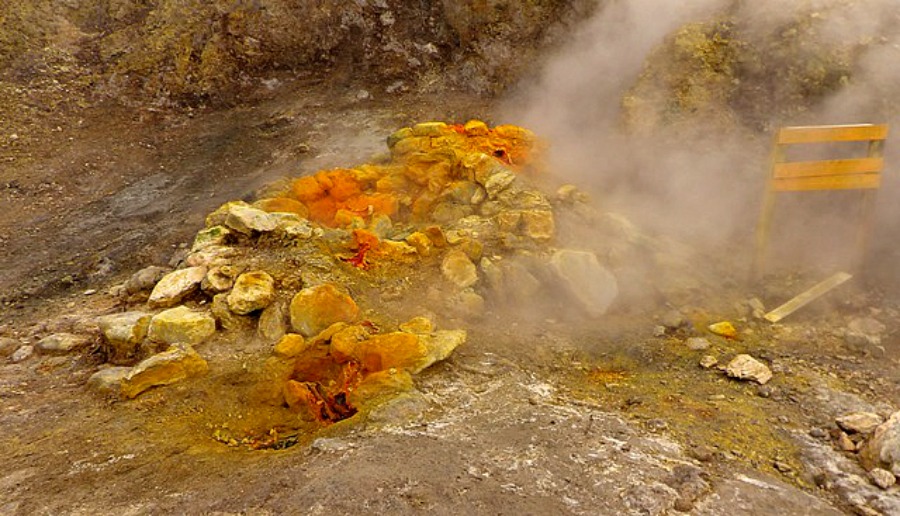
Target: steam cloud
(694, 181)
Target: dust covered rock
(181, 325)
(176, 286)
(176, 364)
(745, 367)
(123, 334)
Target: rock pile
(451, 213)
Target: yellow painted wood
(828, 167)
(805, 298)
(848, 182)
(832, 133)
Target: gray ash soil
(533, 417)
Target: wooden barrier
(836, 174)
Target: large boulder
(181, 325)
(176, 286)
(177, 363)
(123, 334)
(316, 308)
(252, 291)
(586, 281)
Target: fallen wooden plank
(805, 298)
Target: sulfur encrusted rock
(291, 345)
(459, 269)
(123, 334)
(252, 291)
(181, 325)
(316, 308)
(177, 363)
(176, 286)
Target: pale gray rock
(211, 256)
(8, 346)
(273, 322)
(745, 367)
(176, 286)
(145, 279)
(22, 354)
(860, 422)
(181, 325)
(123, 334)
(109, 380)
(60, 343)
(586, 281)
(883, 449)
(864, 333)
(883, 478)
(697, 344)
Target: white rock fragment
(745, 367)
(860, 422)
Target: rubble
(882, 478)
(883, 448)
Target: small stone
(745, 367)
(62, 343)
(708, 361)
(272, 322)
(459, 269)
(818, 433)
(176, 286)
(723, 329)
(291, 345)
(588, 282)
(883, 478)
(697, 344)
(145, 279)
(418, 325)
(859, 422)
(673, 320)
(218, 279)
(8, 346)
(765, 391)
(177, 363)
(659, 331)
(216, 235)
(123, 334)
(181, 325)
(314, 309)
(252, 291)
(22, 354)
(108, 381)
(226, 318)
(845, 443)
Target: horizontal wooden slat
(848, 182)
(831, 133)
(828, 168)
